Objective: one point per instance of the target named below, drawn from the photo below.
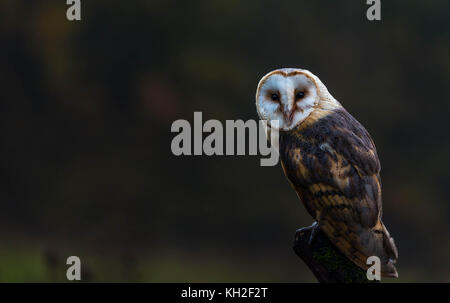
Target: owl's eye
(300, 95)
(275, 97)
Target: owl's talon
(313, 229)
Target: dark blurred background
(86, 165)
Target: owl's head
(289, 95)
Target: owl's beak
(288, 116)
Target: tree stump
(326, 262)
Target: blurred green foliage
(86, 110)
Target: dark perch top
(325, 261)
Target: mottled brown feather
(331, 161)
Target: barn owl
(331, 162)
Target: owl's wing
(333, 166)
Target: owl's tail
(359, 243)
(381, 244)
